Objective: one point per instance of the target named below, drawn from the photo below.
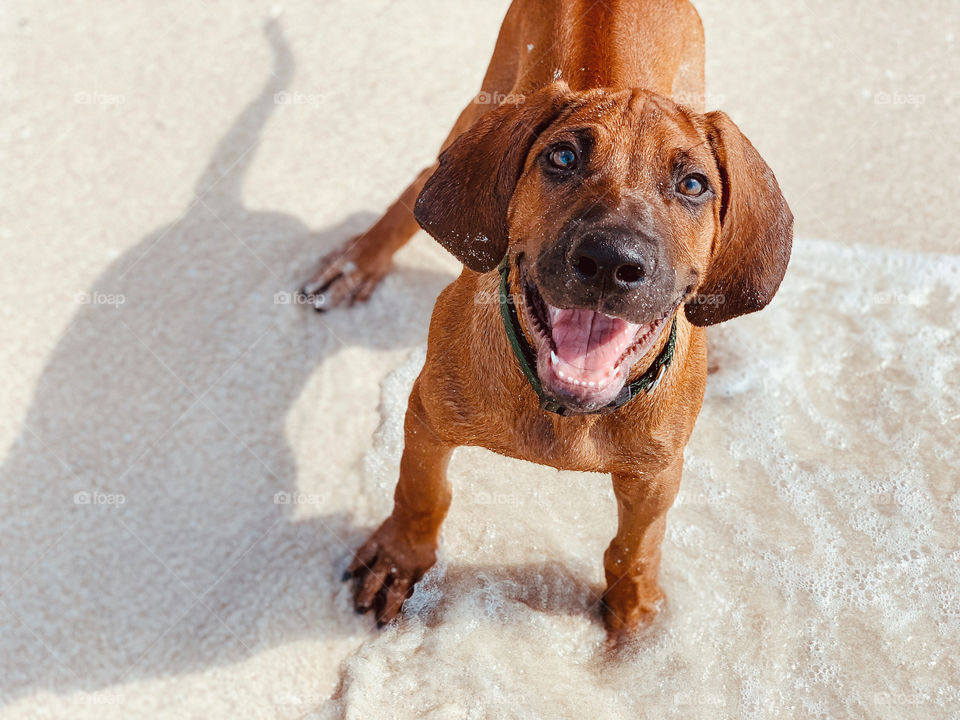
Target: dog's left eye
(692, 185)
(564, 158)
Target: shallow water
(811, 561)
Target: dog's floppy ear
(756, 231)
(464, 203)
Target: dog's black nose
(614, 260)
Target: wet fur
(483, 197)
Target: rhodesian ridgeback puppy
(603, 221)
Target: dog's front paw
(345, 276)
(385, 568)
(629, 606)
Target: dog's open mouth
(584, 357)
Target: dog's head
(617, 209)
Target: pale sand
(811, 563)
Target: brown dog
(623, 222)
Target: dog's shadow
(140, 532)
(144, 528)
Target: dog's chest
(572, 443)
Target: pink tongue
(588, 343)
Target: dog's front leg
(404, 547)
(632, 562)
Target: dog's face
(610, 227)
(616, 209)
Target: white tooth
(592, 383)
(553, 357)
(562, 376)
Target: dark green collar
(527, 356)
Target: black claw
(361, 610)
(346, 576)
(381, 624)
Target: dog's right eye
(563, 158)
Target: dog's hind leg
(350, 273)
